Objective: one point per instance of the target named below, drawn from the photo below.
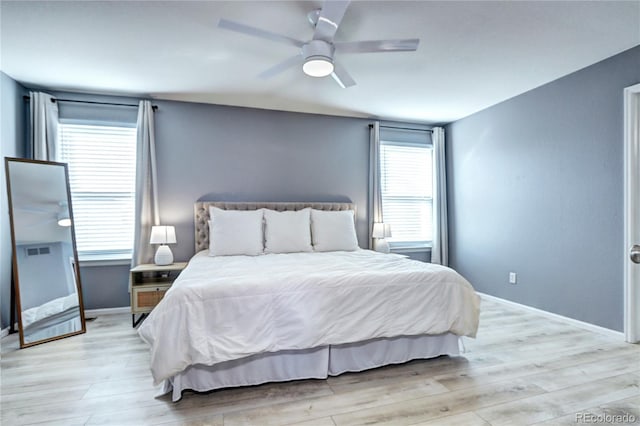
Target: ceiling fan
(317, 54)
(58, 212)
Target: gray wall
(12, 143)
(536, 187)
(44, 277)
(105, 286)
(226, 153)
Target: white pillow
(233, 232)
(288, 231)
(333, 230)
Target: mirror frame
(16, 274)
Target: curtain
(43, 141)
(375, 191)
(146, 205)
(440, 248)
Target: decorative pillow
(288, 231)
(233, 232)
(333, 230)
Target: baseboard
(5, 331)
(106, 311)
(575, 322)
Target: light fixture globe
(64, 221)
(63, 216)
(318, 66)
(318, 60)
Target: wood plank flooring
(523, 368)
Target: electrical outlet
(513, 278)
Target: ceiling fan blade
(35, 210)
(342, 77)
(329, 20)
(282, 66)
(370, 46)
(257, 32)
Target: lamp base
(381, 245)
(164, 256)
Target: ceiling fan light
(63, 215)
(65, 222)
(318, 66)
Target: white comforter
(230, 307)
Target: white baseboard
(5, 331)
(107, 311)
(575, 322)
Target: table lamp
(163, 235)
(381, 231)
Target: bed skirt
(316, 363)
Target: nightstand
(149, 283)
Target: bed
(238, 320)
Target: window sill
(104, 260)
(410, 246)
(419, 249)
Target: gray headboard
(201, 213)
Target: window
(406, 178)
(102, 164)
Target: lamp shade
(381, 230)
(163, 235)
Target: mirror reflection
(48, 292)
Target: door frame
(631, 211)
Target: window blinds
(407, 189)
(102, 162)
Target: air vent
(35, 251)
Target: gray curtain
(375, 191)
(43, 143)
(147, 213)
(440, 249)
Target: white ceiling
(471, 55)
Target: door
(632, 214)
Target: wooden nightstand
(149, 283)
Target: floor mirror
(45, 260)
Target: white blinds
(407, 189)
(102, 162)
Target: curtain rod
(28, 98)
(404, 128)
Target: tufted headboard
(201, 213)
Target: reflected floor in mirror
(523, 368)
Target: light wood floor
(522, 369)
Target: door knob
(634, 253)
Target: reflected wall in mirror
(45, 260)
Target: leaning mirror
(45, 260)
